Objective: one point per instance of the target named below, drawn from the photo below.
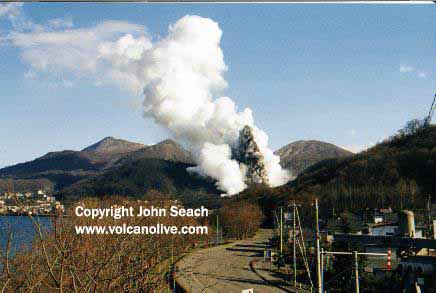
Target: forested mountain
(144, 178)
(399, 172)
(299, 155)
(64, 168)
(167, 150)
(59, 168)
(90, 160)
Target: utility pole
(281, 231)
(318, 259)
(429, 216)
(322, 269)
(356, 262)
(429, 222)
(294, 247)
(356, 271)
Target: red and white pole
(389, 259)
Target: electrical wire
(303, 248)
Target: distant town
(39, 203)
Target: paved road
(225, 268)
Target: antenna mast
(430, 113)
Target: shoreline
(27, 215)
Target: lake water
(23, 231)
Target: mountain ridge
(113, 145)
(66, 167)
(299, 155)
(398, 172)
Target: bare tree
(241, 219)
(62, 260)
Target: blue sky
(346, 74)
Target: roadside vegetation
(240, 219)
(61, 260)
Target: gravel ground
(225, 268)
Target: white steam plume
(180, 76)
(182, 73)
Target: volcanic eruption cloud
(183, 72)
(180, 76)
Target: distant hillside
(110, 145)
(140, 177)
(167, 150)
(64, 168)
(21, 185)
(299, 155)
(60, 168)
(54, 161)
(398, 172)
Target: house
(383, 230)
(345, 219)
(390, 229)
(378, 219)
